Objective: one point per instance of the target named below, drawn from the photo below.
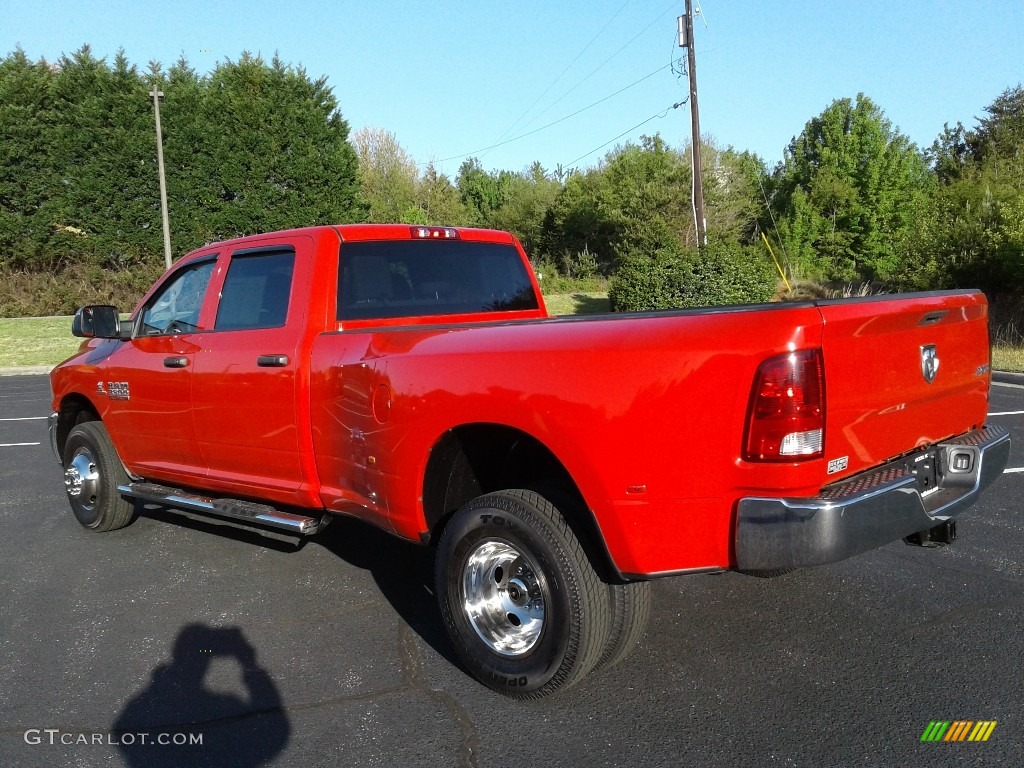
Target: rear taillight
(786, 420)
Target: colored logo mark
(958, 730)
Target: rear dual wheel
(522, 603)
(630, 609)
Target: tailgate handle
(272, 361)
(175, 362)
(933, 317)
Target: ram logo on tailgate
(929, 362)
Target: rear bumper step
(247, 512)
(871, 509)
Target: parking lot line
(15, 445)
(1013, 469)
(1007, 384)
(1007, 413)
(39, 418)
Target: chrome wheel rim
(502, 598)
(82, 479)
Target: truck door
(147, 383)
(248, 375)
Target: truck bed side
(645, 413)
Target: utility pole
(685, 24)
(156, 95)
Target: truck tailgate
(902, 372)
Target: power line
(560, 74)
(556, 122)
(656, 116)
(771, 216)
(599, 66)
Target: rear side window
(407, 278)
(256, 291)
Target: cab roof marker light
(434, 233)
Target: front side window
(409, 278)
(256, 291)
(175, 307)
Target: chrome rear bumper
(867, 510)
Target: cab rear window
(399, 278)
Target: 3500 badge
(115, 390)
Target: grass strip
(35, 341)
(48, 340)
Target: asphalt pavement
(333, 653)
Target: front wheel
(92, 472)
(524, 608)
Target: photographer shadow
(177, 720)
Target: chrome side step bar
(248, 512)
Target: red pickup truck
(410, 377)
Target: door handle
(272, 361)
(175, 362)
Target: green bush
(35, 294)
(673, 278)
(554, 281)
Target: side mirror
(100, 322)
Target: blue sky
(452, 78)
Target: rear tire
(522, 604)
(631, 609)
(92, 472)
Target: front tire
(523, 606)
(92, 472)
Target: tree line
(252, 146)
(257, 145)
